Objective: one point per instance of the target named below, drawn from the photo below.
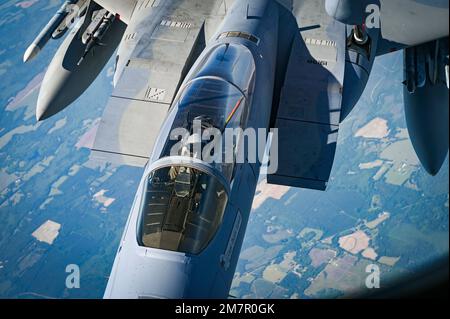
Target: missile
(96, 37)
(56, 23)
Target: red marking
(117, 16)
(238, 103)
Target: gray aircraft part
(46, 34)
(146, 18)
(311, 100)
(77, 11)
(426, 102)
(124, 8)
(97, 36)
(427, 121)
(348, 11)
(420, 22)
(402, 23)
(407, 29)
(65, 80)
(358, 65)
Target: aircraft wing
(310, 104)
(124, 8)
(171, 37)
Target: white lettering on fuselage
(326, 43)
(176, 24)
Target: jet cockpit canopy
(181, 209)
(212, 106)
(182, 205)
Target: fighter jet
(188, 71)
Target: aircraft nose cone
(432, 162)
(39, 115)
(432, 170)
(427, 114)
(48, 104)
(42, 111)
(57, 92)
